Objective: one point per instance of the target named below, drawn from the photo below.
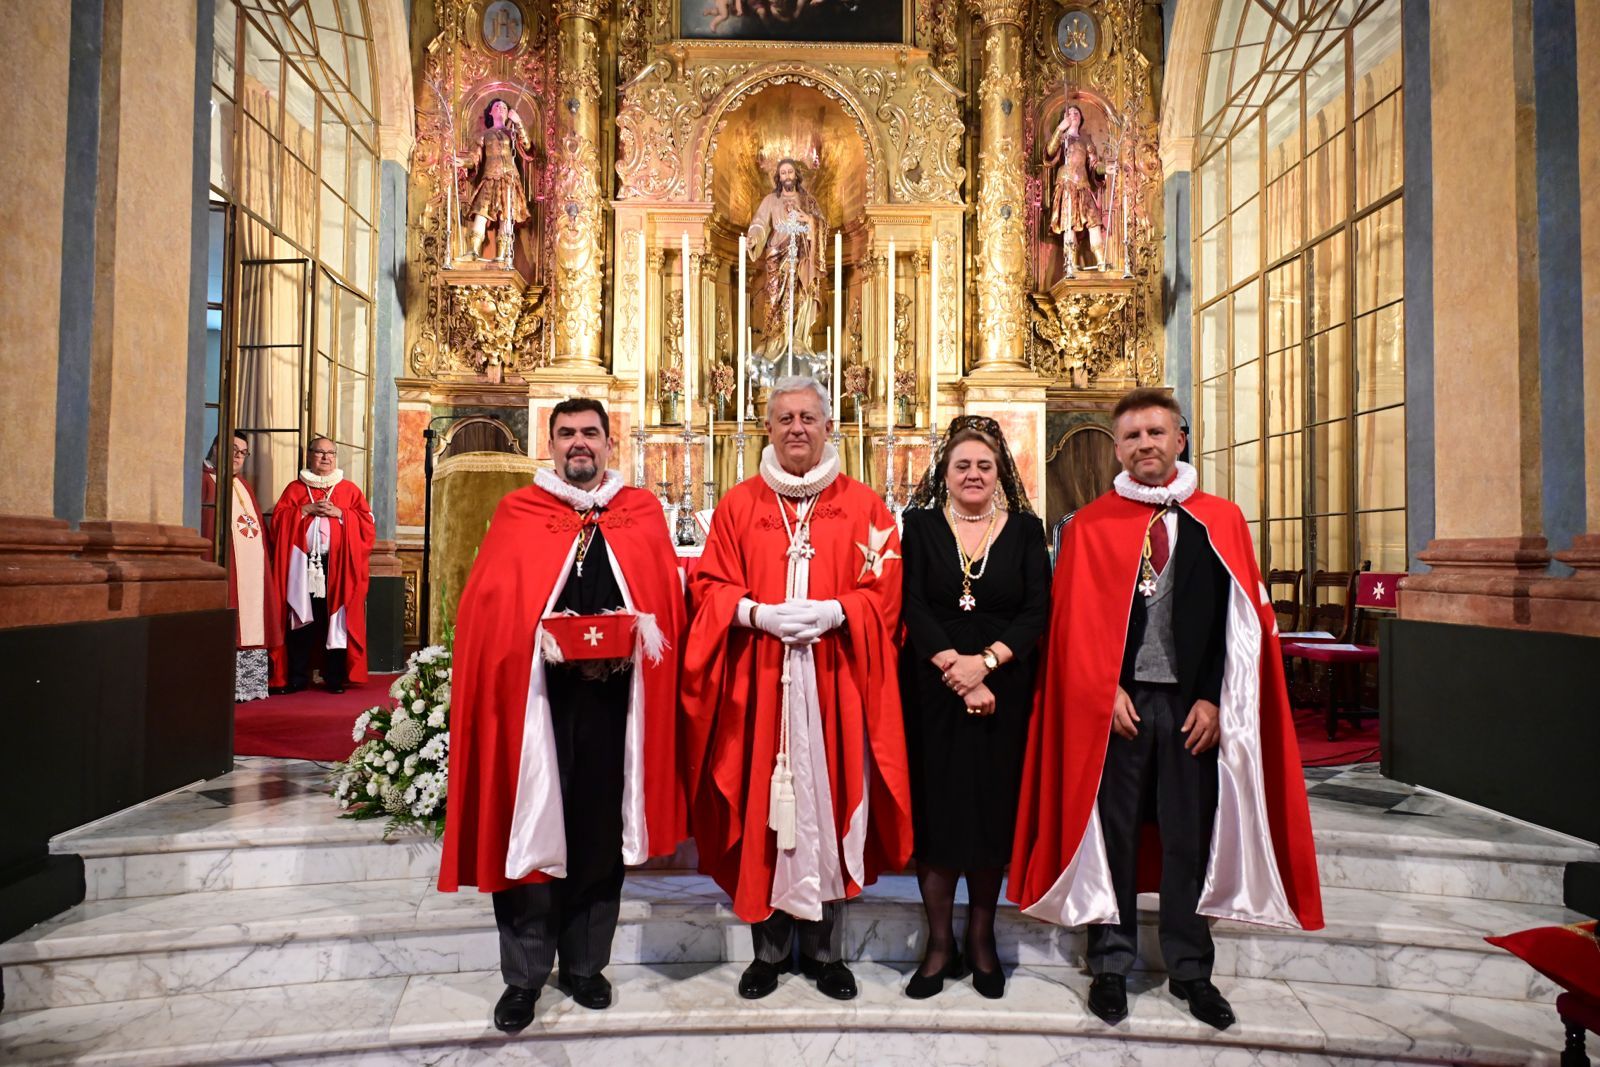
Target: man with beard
(786, 238)
(794, 745)
(562, 768)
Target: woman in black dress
(976, 600)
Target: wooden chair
(1288, 608)
(1343, 660)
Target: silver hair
(796, 383)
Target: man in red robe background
(322, 536)
(1183, 693)
(563, 771)
(795, 747)
(252, 589)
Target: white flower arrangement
(400, 768)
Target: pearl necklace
(964, 517)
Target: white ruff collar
(798, 486)
(1180, 489)
(580, 499)
(317, 481)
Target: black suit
(1154, 766)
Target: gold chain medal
(968, 602)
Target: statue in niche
(786, 239)
(1075, 208)
(498, 195)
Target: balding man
(322, 534)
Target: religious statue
(1075, 203)
(786, 239)
(498, 195)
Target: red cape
(522, 557)
(732, 692)
(349, 551)
(271, 600)
(1093, 592)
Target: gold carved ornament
(1001, 235)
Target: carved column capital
(578, 9)
(1000, 12)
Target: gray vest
(1157, 658)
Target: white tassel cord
(780, 811)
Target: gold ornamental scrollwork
(1002, 245)
(649, 159)
(583, 9)
(1085, 336)
(578, 268)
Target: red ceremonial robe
(350, 540)
(271, 599)
(504, 823)
(1263, 866)
(733, 693)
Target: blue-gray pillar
(1418, 208)
(391, 343)
(1176, 288)
(1561, 417)
(75, 336)
(194, 426)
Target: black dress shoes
(1205, 1003)
(591, 990)
(515, 1009)
(991, 985)
(1108, 997)
(833, 979)
(759, 979)
(922, 986)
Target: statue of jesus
(785, 237)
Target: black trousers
(575, 917)
(1154, 766)
(822, 940)
(304, 642)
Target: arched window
(294, 189)
(1299, 365)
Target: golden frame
(908, 31)
(1055, 35)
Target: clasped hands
(326, 509)
(797, 622)
(965, 676)
(1203, 725)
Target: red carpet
(312, 724)
(315, 724)
(1352, 744)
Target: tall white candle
(838, 323)
(710, 434)
(688, 333)
(743, 344)
(644, 291)
(933, 339)
(888, 316)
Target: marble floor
(240, 921)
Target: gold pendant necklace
(968, 602)
(1147, 569)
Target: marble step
(690, 1014)
(190, 841)
(166, 946)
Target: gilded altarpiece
(645, 148)
(877, 131)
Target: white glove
(822, 616)
(775, 619)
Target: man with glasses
(322, 534)
(251, 587)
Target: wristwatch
(990, 660)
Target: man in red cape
(322, 535)
(795, 747)
(252, 590)
(563, 771)
(1185, 693)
